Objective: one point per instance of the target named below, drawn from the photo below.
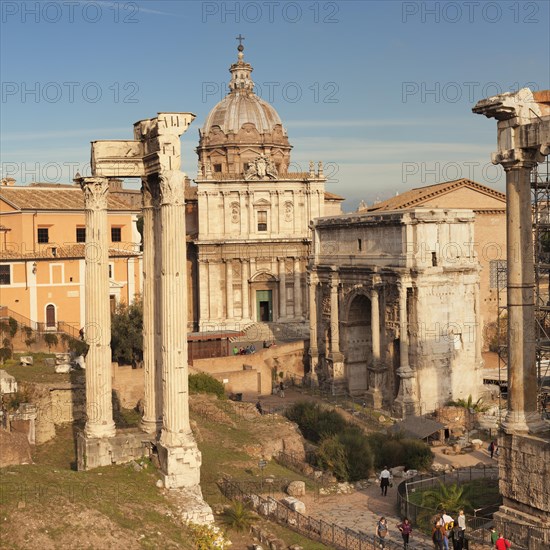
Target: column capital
(172, 188)
(149, 194)
(96, 191)
(517, 159)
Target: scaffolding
(540, 188)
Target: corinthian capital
(172, 187)
(96, 191)
(149, 194)
(515, 159)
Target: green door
(264, 305)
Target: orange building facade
(42, 255)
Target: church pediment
(263, 277)
(262, 202)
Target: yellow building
(42, 254)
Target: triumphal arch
(154, 156)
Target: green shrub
(5, 354)
(239, 516)
(331, 455)
(417, 454)
(78, 347)
(314, 422)
(13, 326)
(51, 339)
(204, 383)
(359, 455)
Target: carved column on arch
(375, 371)
(297, 290)
(313, 344)
(335, 356)
(245, 292)
(99, 407)
(229, 288)
(152, 402)
(406, 402)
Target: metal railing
(330, 534)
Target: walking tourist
(385, 477)
(502, 543)
(494, 536)
(382, 532)
(439, 535)
(281, 389)
(459, 531)
(406, 529)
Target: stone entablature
(389, 318)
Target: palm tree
(446, 497)
(238, 516)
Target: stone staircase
(273, 332)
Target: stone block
(8, 384)
(180, 466)
(294, 504)
(26, 360)
(296, 489)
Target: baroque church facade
(253, 236)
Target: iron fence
(330, 534)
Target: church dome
(241, 128)
(239, 108)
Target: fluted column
(406, 403)
(229, 288)
(244, 291)
(152, 402)
(334, 318)
(375, 325)
(522, 374)
(282, 288)
(99, 405)
(176, 430)
(297, 289)
(313, 349)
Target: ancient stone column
(406, 402)
(375, 325)
(229, 288)
(282, 288)
(522, 375)
(244, 291)
(373, 396)
(336, 358)
(313, 349)
(152, 402)
(297, 289)
(99, 405)
(178, 454)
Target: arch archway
(357, 343)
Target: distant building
(42, 254)
(489, 241)
(392, 318)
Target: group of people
(446, 530)
(405, 528)
(498, 540)
(244, 351)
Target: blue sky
(380, 91)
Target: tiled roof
(333, 197)
(52, 198)
(418, 195)
(71, 251)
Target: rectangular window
(80, 234)
(110, 271)
(116, 234)
(43, 235)
(217, 167)
(262, 220)
(359, 245)
(497, 274)
(5, 274)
